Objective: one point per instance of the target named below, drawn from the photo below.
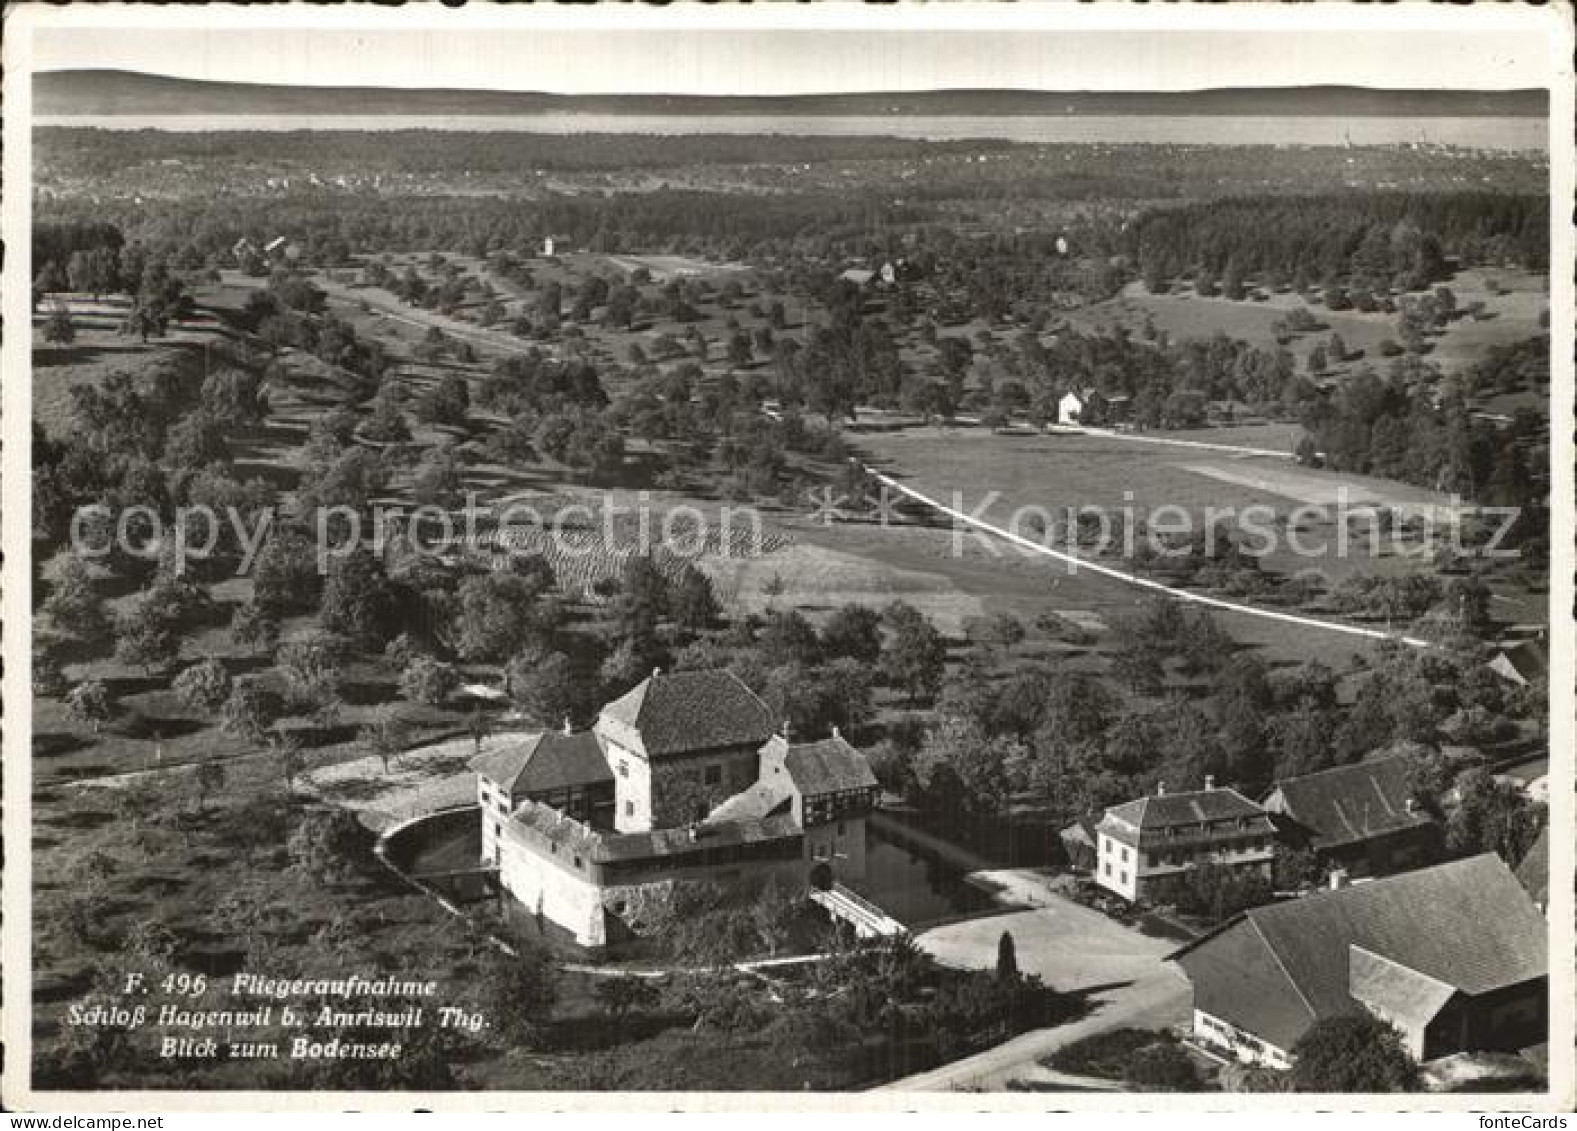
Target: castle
(685, 777)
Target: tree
(358, 601)
(234, 397)
(251, 711)
(313, 665)
(209, 778)
(543, 683)
(253, 628)
(520, 992)
(915, 656)
(73, 606)
(695, 606)
(1352, 1052)
(853, 631)
(478, 725)
(327, 844)
(429, 681)
(621, 994)
(439, 479)
(146, 635)
(92, 702)
(204, 686)
(384, 736)
(285, 577)
(1493, 816)
(501, 613)
(1007, 958)
(789, 639)
(641, 602)
(58, 327)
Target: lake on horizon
(1498, 133)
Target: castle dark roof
(828, 766)
(1349, 804)
(1170, 818)
(1275, 970)
(541, 762)
(686, 712)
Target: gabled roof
(687, 712)
(1534, 871)
(762, 799)
(828, 766)
(1349, 804)
(1522, 662)
(544, 761)
(1467, 925)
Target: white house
(1154, 838)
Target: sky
(939, 46)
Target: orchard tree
(358, 601)
(74, 607)
(429, 681)
(204, 686)
(92, 702)
(250, 711)
(253, 628)
(853, 632)
(501, 613)
(543, 683)
(915, 656)
(384, 736)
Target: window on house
(1108, 867)
(629, 808)
(1123, 879)
(714, 774)
(1125, 856)
(624, 768)
(577, 860)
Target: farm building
(1522, 663)
(1153, 839)
(1090, 406)
(1359, 817)
(682, 778)
(1453, 956)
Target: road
(1073, 948)
(1185, 595)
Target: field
(1510, 313)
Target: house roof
(1349, 804)
(828, 766)
(1467, 924)
(543, 761)
(1081, 831)
(760, 800)
(1534, 871)
(858, 275)
(686, 712)
(1522, 662)
(1160, 818)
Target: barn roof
(1350, 804)
(1467, 925)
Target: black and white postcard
(815, 557)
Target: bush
(1106, 1056)
(1163, 1067)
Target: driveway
(1073, 949)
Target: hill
(109, 92)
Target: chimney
(787, 726)
(656, 672)
(1210, 782)
(1338, 879)
(1160, 789)
(835, 733)
(568, 729)
(1411, 806)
